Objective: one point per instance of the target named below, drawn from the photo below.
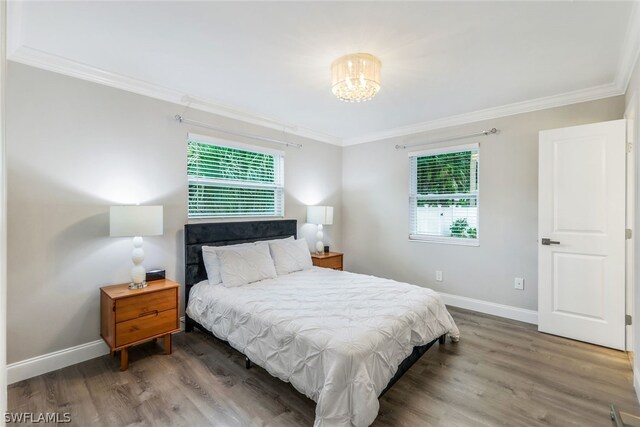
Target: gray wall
(375, 208)
(75, 148)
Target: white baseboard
(58, 359)
(39, 365)
(501, 310)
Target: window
(443, 195)
(233, 180)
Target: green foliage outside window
(460, 228)
(226, 182)
(448, 173)
(213, 161)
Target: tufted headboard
(222, 234)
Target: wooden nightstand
(132, 316)
(328, 260)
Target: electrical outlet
(519, 283)
(438, 276)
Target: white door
(581, 233)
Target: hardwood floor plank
(501, 373)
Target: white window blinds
(233, 180)
(443, 194)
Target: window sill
(444, 240)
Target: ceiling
(269, 61)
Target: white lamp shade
(132, 221)
(320, 215)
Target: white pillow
(290, 255)
(288, 239)
(212, 262)
(240, 266)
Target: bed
(340, 338)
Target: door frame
(631, 116)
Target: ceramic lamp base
(138, 272)
(319, 243)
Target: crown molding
(40, 59)
(568, 98)
(18, 52)
(630, 54)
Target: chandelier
(355, 77)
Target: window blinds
(228, 181)
(443, 195)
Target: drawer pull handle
(149, 313)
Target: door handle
(546, 241)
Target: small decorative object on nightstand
(328, 260)
(133, 316)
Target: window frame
(219, 142)
(425, 238)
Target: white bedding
(337, 337)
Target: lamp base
(138, 272)
(137, 285)
(319, 244)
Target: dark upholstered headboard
(226, 233)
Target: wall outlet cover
(519, 283)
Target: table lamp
(136, 221)
(320, 215)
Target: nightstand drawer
(334, 262)
(140, 305)
(146, 326)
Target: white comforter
(337, 337)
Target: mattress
(337, 337)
